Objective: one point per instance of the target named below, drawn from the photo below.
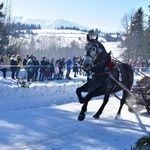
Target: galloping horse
(98, 65)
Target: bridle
(97, 61)
(91, 47)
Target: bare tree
(126, 21)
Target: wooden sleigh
(140, 94)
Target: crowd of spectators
(40, 70)
(46, 69)
(141, 64)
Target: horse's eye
(94, 48)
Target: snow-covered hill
(67, 36)
(51, 38)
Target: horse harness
(110, 65)
(98, 58)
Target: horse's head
(95, 52)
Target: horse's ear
(96, 37)
(88, 38)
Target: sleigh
(139, 97)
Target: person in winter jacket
(57, 72)
(52, 70)
(13, 64)
(2, 66)
(24, 66)
(7, 61)
(75, 68)
(69, 65)
(30, 70)
(36, 68)
(43, 67)
(19, 62)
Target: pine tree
(134, 41)
(1, 29)
(146, 46)
(137, 32)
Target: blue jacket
(69, 63)
(29, 66)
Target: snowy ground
(44, 117)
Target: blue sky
(103, 14)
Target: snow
(44, 117)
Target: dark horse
(99, 66)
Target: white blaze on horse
(98, 66)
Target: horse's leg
(99, 112)
(81, 89)
(81, 116)
(88, 97)
(122, 102)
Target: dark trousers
(42, 74)
(29, 75)
(4, 70)
(35, 74)
(17, 72)
(13, 74)
(68, 72)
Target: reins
(98, 64)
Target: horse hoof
(117, 117)
(131, 110)
(81, 117)
(96, 117)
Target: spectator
(25, 61)
(42, 69)
(31, 56)
(134, 63)
(52, 70)
(61, 66)
(13, 64)
(74, 58)
(19, 62)
(69, 65)
(2, 66)
(47, 73)
(75, 68)
(24, 65)
(144, 65)
(80, 61)
(7, 61)
(139, 63)
(57, 70)
(29, 66)
(36, 65)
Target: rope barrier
(136, 69)
(27, 66)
